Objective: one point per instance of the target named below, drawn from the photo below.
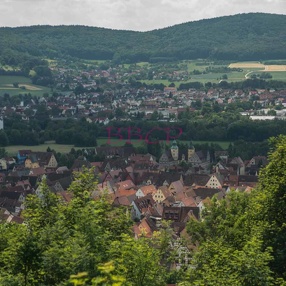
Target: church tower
(191, 150)
(175, 150)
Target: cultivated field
(258, 65)
(275, 68)
(247, 65)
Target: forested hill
(253, 36)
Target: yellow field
(258, 65)
(274, 68)
(246, 65)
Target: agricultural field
(24, 86)
(277, 71)
(214, 73)
(247, 65)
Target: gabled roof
(177, 186)
(179, 214)
(204, 193)
(149, 189)
(196, 179)
(24, 153)
(79, 164)
(144, 202)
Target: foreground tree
(270, 205)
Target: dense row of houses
(137, 181)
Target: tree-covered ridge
(253, 36)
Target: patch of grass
(278, 75)
(6, 86)
(8, 79)
(223, 144)
(12, 150)
(65, 148)
(118, 142)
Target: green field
(6, 86)
(12, 150)
(216, 77)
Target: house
(176, 187)
(41, 159)
(12, 201)
(196, 179)
(180, 216)
(161, 194)
(237, 164)
(141, 205)
(109, 152)
(145, 190)
(3, 165)
(254, 165)
(146, 227)
(22, 156)
(215, 181)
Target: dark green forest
(240, 37)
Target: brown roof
(144, 202)
(204, 193)
(197, 179)
(179, 214)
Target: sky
(137, 15)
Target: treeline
(239, 37)
(248, 83)
(224, 84)
(41, 129)
(227, 126)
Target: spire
(174, 145)
(191, 146)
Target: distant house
(3, 164)
(22, 156)
(140, 206)
(41, 159)
(145, 190)
(215, 182)
(161, 194)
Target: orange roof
(150, 189)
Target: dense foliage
(60, 239)
(239, 37)
(241, 239)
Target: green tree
(3, 152)
(137, 261)
(4, 141)
(270, 204)
(218, 264)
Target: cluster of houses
(152, 191)
(100, 106)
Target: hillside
(254, 36)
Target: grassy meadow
(64, 148)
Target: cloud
(138, 15)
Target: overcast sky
(139, 15)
